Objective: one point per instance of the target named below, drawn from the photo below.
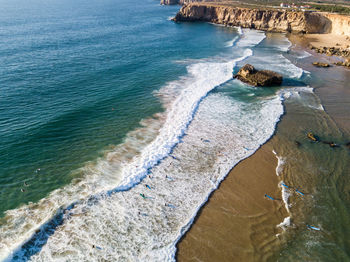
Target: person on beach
(270, 197)
(299, 192)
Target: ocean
(116, 124)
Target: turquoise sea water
(104, 101)
(76, 77)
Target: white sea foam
(280, 160)
(195, 168)
(231, 42)
(250, 38)
(303, 54)
(279, 64)
(108, 210)
(308, 99)
(239, 30)
(128, 163)
(285, 223)
(281, 43)
(284, 190)
(285, 196)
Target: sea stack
(248, 74)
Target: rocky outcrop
(320, 64)
(330, 51)
(340, 24)
(345, 63)
(248, 74)
(262, 19)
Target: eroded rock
(320, 64)
(248, 74)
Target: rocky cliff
(177, 2)
(268, 20)
(340, 24)
(170, 2)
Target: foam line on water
(239, 30)
(285, 196)
(231, 42)
(202, 80)
(285, 223)
(119, 175)
(114, 171)
(303, 54)
(305, 96)
(284, 190)
(280, 163)
(113, 221)
(285, 45)
(250, 38)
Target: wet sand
(334, 95)
(238, 223)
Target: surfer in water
(93, 246)
(270, 197)
(143, 196)
(299, 192)
(169, 178)
(314, 228)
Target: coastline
(160, 148)
(238, 223)
(334, 98)
(233, 210)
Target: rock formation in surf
(321, 64)
(330, 51)
(262, 19)
(248, 74)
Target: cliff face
(340, 24)
(268, 20)
(177, 2)
(170, 2)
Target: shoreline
(326, 33)
(214, 223)
(195, 240)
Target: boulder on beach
(320, 64)
(344, 63)
(248, 74)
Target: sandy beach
(238, 223)
(327, 40)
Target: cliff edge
(268, 20)
(177, 2)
